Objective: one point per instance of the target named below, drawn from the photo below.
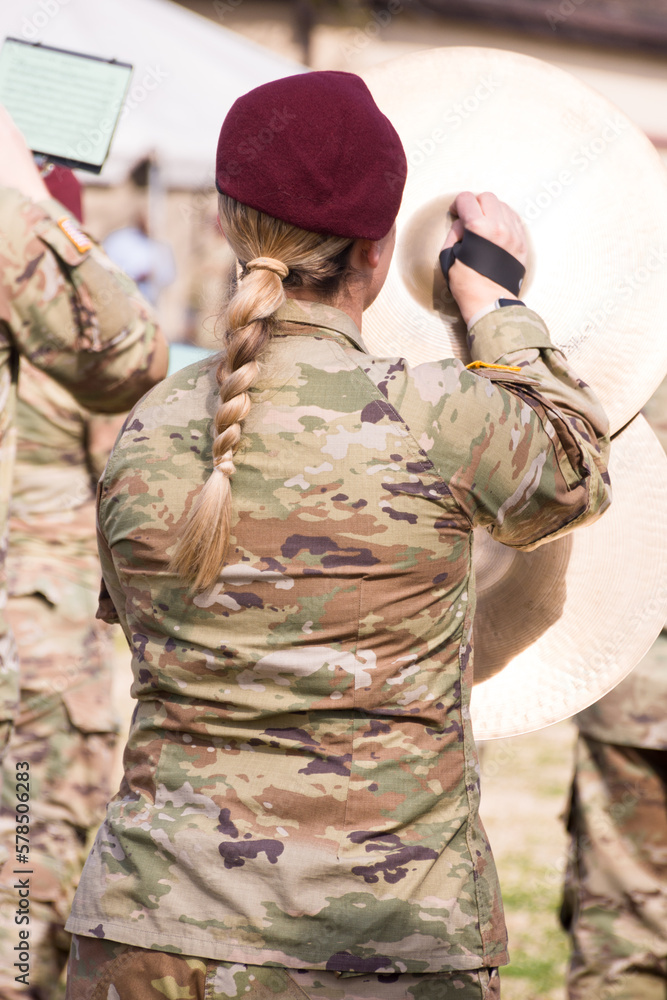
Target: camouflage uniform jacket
(61, 452)
(635, 712)
(301, 781)
(65, 307)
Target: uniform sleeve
(70, 311)
(111, 594)
(523, 453)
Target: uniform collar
(329, 321)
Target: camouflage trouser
(615, 900)
(105, 970)
(65, 733)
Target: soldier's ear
(365, 255)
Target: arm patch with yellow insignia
(74, 234)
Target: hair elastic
(268, 264)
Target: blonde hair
(273, 255)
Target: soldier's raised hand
(487, 216)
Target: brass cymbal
(588, 184)
(558, 627)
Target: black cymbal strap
(486, 258)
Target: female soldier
(299, 814)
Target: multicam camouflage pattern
(69, 741)
(73, 313)
(616, 888)
(139, 974)
(65, 727)
(615, 902)
(301, 782)
(635, 712)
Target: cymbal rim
(612, 610)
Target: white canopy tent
(188, 71)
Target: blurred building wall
(349, 35)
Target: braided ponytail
(278, 256)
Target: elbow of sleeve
(144, 363)
(559, 514)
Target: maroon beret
(65, 188)
(316, 151)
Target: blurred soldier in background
(149, 262)
(65, 726)
(615, 900)
(70, 311)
